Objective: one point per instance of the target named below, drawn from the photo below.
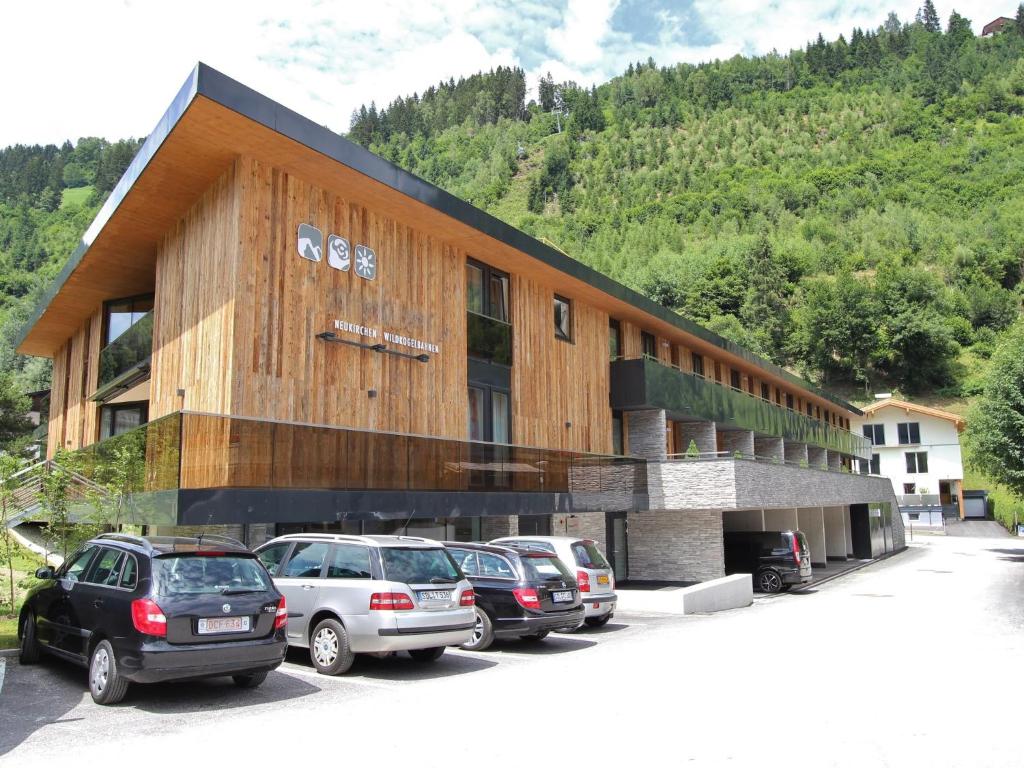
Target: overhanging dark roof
(217, 87)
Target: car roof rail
(328, 537)
(215, 538)
(127, 538)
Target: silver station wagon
(369, 594)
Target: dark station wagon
(145, 610)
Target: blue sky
(110, 68)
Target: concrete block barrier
(736, 591)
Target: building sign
(389, 337)
(310, 244)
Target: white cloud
(110, 68)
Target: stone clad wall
(675, 545)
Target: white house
(918, 449)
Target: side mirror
(45, 572)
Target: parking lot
(834, 675)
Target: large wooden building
(289, 331)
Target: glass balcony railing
(488, 339)
(647, 384)
(127, 352)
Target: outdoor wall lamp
(332, 336)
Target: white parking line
(293, 670)
(3, 668)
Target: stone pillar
(796, 453)
(835, 461)
(734, 440)
(848, 530)
(835, 533)
(811, 520)
(743, 520)
(496, 526)
(816, 457)
(646, 434)
(703, 433)
(769, 448)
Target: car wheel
(105, 682)
(329, 649)
(427, 654)
(769, 581)
(29, 648)
(251, 680)
(483, 633)
(598, 621)
(535, 637)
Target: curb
(9, 652)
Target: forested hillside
(853, 210)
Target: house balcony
(646, 384)
(195, 469)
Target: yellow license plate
(602, 579)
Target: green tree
(995, 425)
(9, 465)
(14, 421)
(928, 17)
(765, 307)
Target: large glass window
(122, 314)
(563, 318)
(118, 419)
(649, 345)
(187, 574)
(487, 291)
(614, 339)
(909, 433)
(490, 414)
(698, 364)
(917, 462)
(875, 433)
(476, 413)
(500, 432)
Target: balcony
(643, 384)
(193, 469)
(125, 360)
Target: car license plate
(437, 594)
(602, 579)
(218, 625)
(561, 597)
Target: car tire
(329, 649)
(106, 684)
(598, 621)
(251, 680)
(536, 637)
(768, 581)
(29, 646)
(427, 654)
(483, 633)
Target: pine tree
(928, 17)
(1019, 20)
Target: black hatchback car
(775, 559)
(146, 610)
(518, 593)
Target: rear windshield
(545, 568)
(208, 574)
(418, 566)
(588, 555)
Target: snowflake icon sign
(366, 262)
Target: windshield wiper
(239, 591)
(439, 580)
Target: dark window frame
(906, 432)
(875, 433)
(140, 405)
(916, 465)
(487, 310)
(648, 340)
(614, 332)
(559, 333)
(736, 380)
(106, 315)
(766, 392)
(697, 364)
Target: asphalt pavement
(911, 661)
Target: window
(486, 291)
(810, 410)
(122, 314)
(734, 380)
(614, 339)
(466, 561)
(778, 396)
(917, 462)
(817, 410)
(618, 441)
(698, 364)
(107, 569)
(130, 573)
(915, 515)
(587, 555)
(417, 566)
(189, 574)
(476, 413)
(766, 391)
(118, 419)
(875, 433)
(649, 345)
(876, 464)
(826, 416)
(910, 488)
(909, 433)
(494, 567)
(563, 318)
(545, 568)
(74, 570)
(272, 556)
(306, 561)
(350, 561)
(750, 384)
(789, 401)
(718, 372)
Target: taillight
(148, 618)
(611, 581)
(390, 601)
(583, 579)
(796, 549)
(527, 597)
(281, 617)
(468, 598)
